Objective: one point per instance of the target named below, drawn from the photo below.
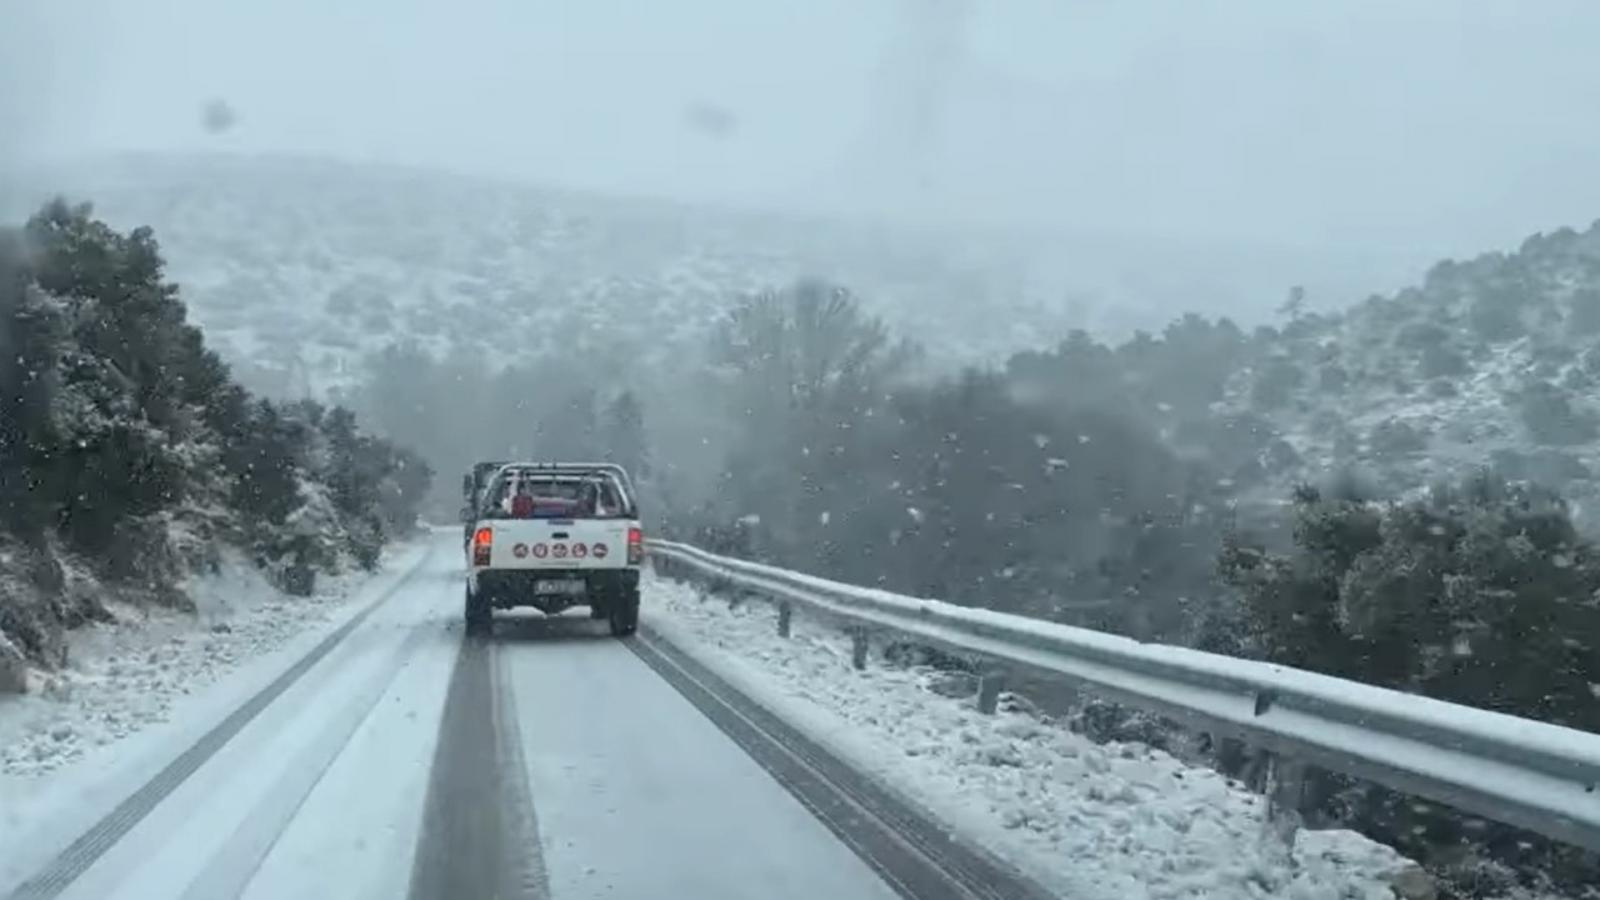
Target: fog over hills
(299, 268)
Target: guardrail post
(990, 684)
(785, 615)
(858, 648)
(1285, 790)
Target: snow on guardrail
(1535, 775)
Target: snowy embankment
(129, 674)
(138, 692)
(1093, 821)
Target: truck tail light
(482, 543)
(635, 546)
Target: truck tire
(479, 615)
(624, 612)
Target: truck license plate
(568, 586)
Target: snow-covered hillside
(1491, 361)
(298, 269)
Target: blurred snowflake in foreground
(711, 120)
(218, 116)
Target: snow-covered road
(379, 753)
(639, 795)
(395, 758)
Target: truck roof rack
(576, 468)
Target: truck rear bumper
(510, 588)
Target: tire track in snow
(479, 833)
(521, 817)
(914, 853)
(84, 852)
(230, 870)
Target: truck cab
(553, 536)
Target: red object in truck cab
(522, 506)
(552, 507)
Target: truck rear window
(559, 497)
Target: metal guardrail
(1526, 773)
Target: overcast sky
(1457, 123)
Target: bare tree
(802, 365)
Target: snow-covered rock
(13, 667)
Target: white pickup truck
(553, 536)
